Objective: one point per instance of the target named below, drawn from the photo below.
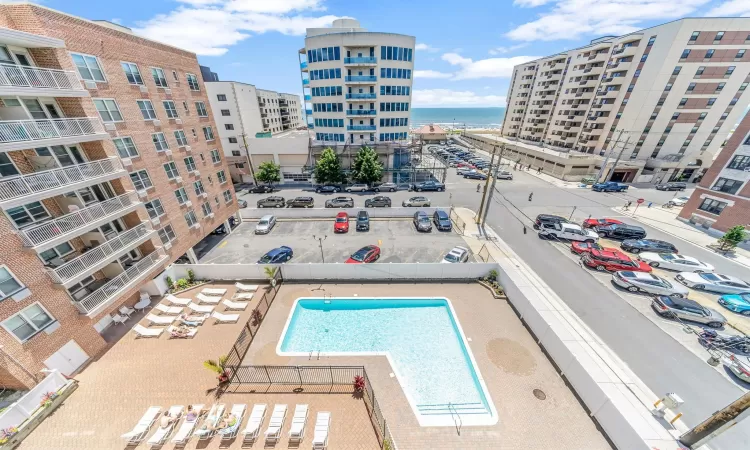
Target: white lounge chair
(118, 319)
(252, 429)
(231, 432)
(125, 311)
(214, 416)
(200, 308)
(139, 432)
(237, 306)
(246, 287)
(142, 331)
(214, 291)
(173, 333)
(162, 433)
(186, 429)
(243, 296)
(192, 320)
(177, 300)
(160, 320)
(273, 432)
(206, 299)
(322, 424)
(225, 318)
(173, 310)
(297, 432)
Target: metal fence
(484, 254)
(457, 222)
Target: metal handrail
(35, 130)
(458, 423)
(38, 77)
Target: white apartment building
(357, 83)
(674, 91)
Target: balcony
(361, 127)
(74, 270)
(111, 290)
(24, 80)
(305, 81)
(309, 112)
(369, 79)
(60, 229)
(361, 112)
(361, 61)
(35, 186)
(362, 96)
(303, 66)
(626, 51)
(23, 134)
(308, 98)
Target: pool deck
(510, 362)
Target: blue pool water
(421, 337)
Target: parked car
(365, 255)
(457, 255)
(679, 201)
(686, 309)
(738, 368)
(427, 186)
(590, 223)
(380, 201)
(647, 245)
(265, 224)
(327, 189)
(671, 186)
(416, 201)
(609, 186)
(271, 202)
(580, 248)
(442, 220)
(673, 261)
(613, 260)
(569, 231)
(363, 221)
(278, 255)
(422, 221)
(341, 223)
(649, 283)
(358, 188)
(390, 187)
(300, 202)
(241, 203)
(340, 202)
(548, 218)
(739, 303)
(620, 231)
(504, 175)
(475, 175)
(260, 189)
(714, 282)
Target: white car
(649, 283)
(569, 231)
(714, 282)
(673, 261)
(504, 175)
(265, 224)
(679, 201)
(457, 255)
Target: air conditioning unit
(178, 121)
(167, 246)
(210, 216)
(177, 180)
(188, 204)
(196, 173)
(168, 152)
(109, 126)
(168, 91)
(187, 148)
(157, 123)
(126, 162)
(204, 194)
(144, 90)
(155, 221)
(143, 194)
(196, 225)
(89, 84)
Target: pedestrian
(529, 167)
(649, 204)
(627, 205)
(539, 170)
(478, 185)
(531, 195)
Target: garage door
(68, 359)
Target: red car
(364, 255)
(341, 225)
(580, 248)
(613, 260)
(590, 223)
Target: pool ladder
(456, 418)
(311, 355)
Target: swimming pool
(422, 339)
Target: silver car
(715, 282)
(265, 224)
(504, 175)
(357, 188)
(416, 201)
(685, 309)
(649, 283)
(456, 255)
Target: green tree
(328, 168)
(268, 172)
(732, 238)
(367, 168)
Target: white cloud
(209, 27)
(448, 97)
(426, 47)
(571, 19)
(484, 68)
(530, 3)
(116, 20)
(731, 8)
(431, 74)
(504, 50)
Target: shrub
(170, 283)
(492, 275)
(359, 383)
(256, 316)
(191, 276)
(182, 284)
(732, 238)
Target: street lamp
(320, 243)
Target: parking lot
(398, 240)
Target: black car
(475, 175)
(442, 220)
(300, 202)
(647, 245)
(427, 186)
(548, 219)
(271, 202)
(363, 221)
(340, 202)
(672, 186)
(422, 221)
(260, 189)
(620, 231)
(327, 189)
(380, 201)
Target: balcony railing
(308, 98)
(303, 65)
(362, 96)
(77, 221)
(305, 82)
(100, 255)
(361, 112)
(361, 60)
(50, 180)
(37, 77)
(308, 112)
(37, 130)
(98, 299)
(361, 78)
(361, 127)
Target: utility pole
(719, 422)
(247, 154)
(611, 149)
(614, 166)
(492, 188)
(320, 243)
(484, 194)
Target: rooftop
(429, 129)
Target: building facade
(111, 170)
(663, 99)
(357, 83)
(722, 199)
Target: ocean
(469, 117)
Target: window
(733, 101)
(743, 86)
(675, 116)
(232, 140)
(171, 169)
(9, 285)
(132, 73)
(181, 196)
(685, 54)
(720, 86)
(739, 162)
(677, 70)
(206, 207)
(700, 71)
(166, 234)
(147, 109)
(651, 41)
(154, 208)
(215, 158)
(208, 133)
(108, 110)
(221, 176)
(174, 75)
(28, 322)
(160, 142)
(185, 106)
(730, 71)
(683, 101)
(201, 108)
(709, 54)
(125, 147)
(221, 97)
(192, 82)
(141, 180)
(189, 163)
(236, 153)
(727, 185)
(88, 67)
(179, 136)
(702, 116)
(740, 54)
(190, 218)
(170, 109)
(159, 77)
(718, 36)
(225, 113)
(711, 101)
(227, 196)
(229, 126)
(28, 214)
(694, 36)
(198, 187)
(57, 251)
(712, 206)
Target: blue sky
(465, 50)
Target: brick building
(722, 199)
(109, 171)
